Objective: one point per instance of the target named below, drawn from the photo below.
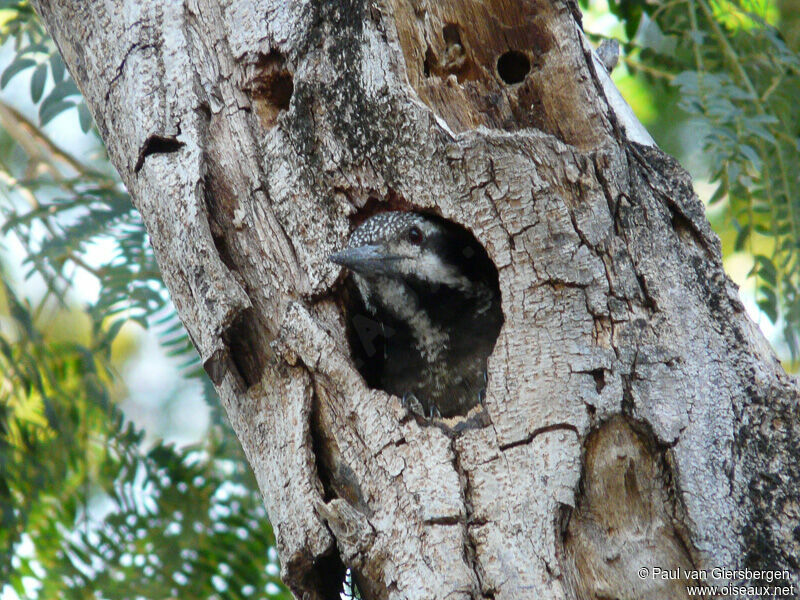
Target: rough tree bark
(638, 418)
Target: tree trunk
(638, 419)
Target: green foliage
(86, 508)
(35, 50)
(739, 81)
(175, 522)
(74, 205)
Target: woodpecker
(425, 310)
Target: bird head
(412, 248)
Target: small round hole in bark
(513, 67)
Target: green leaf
(62, 90)
(768, 304)
(34, 48)
(50, 111)
(38, 80)
(111, 333)
(84, 117)
(57, 67)
(741, 238)
(790, 334)
(718, 194)
(765, 269)
(687, 81)
(751, 155)
(19, 64)
(632, 16)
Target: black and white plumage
(426, 310)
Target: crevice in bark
(215, 366)
(321, 444)
(627, 404)
(599, 376)
(648, 301)
(429, 64)
(244, 340)
(601, 163)
(243, 356)
(447, 521)
(537, 432)
(327, 572)
(684, 229)
(321, 578)
(221, 206)
(218, 232)
(342, 490)
(157, 144)
(469, 545)
(326, 576)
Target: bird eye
(414, 235)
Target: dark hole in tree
(385, 346)
(451, 35)
(513, 67)
(327, 576)
(429, 62)
(157, 144)
(244, 341)
(599, 379)
(451, 61)
(271, 88)
(281, 91)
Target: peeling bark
(637, 416)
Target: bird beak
(367, 260)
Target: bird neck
(391, 300)
(435, 316)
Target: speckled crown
(382, 226)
